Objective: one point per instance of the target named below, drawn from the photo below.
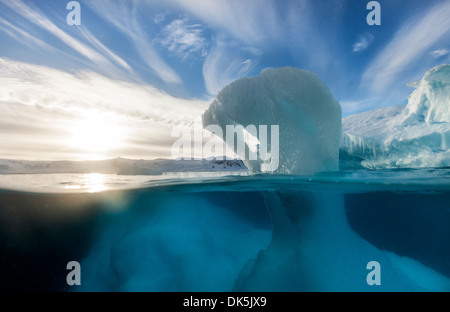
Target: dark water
(255, 233)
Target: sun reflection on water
(90, 182)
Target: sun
(95, 134)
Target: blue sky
(143, 66)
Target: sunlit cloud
(84, 114)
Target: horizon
(115, 85)
(106, 159)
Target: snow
(308, 116)
(415, 136)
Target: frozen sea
(227, 231)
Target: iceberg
(308, 116)
(430, 102)
(413, 136)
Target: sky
(117, 84)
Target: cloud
(125, 17)
(439, 53)
(250, 21)
(184, 39)
(350, 107)
(23, 36)
(101, 58)
(363, 43)
(39, 19)
(39, 106)
(159, 18)
(414, 39)
(100, 46)
(225, 63)
(311, 42)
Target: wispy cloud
(309, 42)
(225, 62)
(98, 54)
(241, 29)
(415, 38)
(125, 17)
(250, 21)
(39, 19)
(350, 107)
(364, 41)
(24, 36)
(101, 47)
(159, 18)
(184, 39)
(440, 53)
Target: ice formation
(430, 102)
(313, 248)
(308, 116)
(414, 136)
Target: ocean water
(222, 232)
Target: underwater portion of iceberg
(170, 241)
(308, 116)
(180, 239)
(415, 136)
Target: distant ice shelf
(120, 166)
(413, 136)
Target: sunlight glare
(95, 134)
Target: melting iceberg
(308, 116)
(414, 136)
